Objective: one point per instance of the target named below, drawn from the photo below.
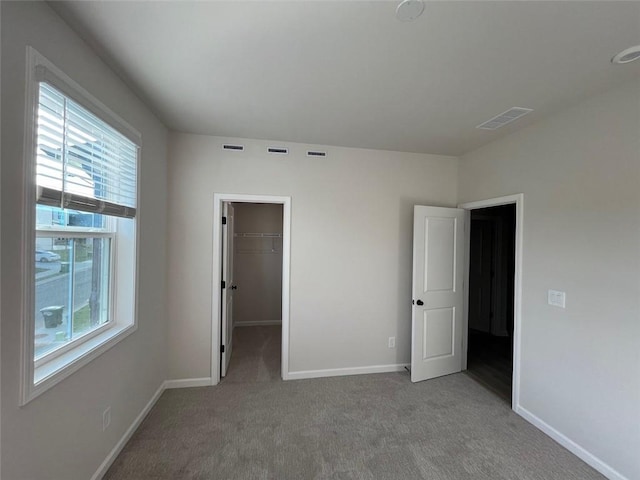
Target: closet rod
(259, 235)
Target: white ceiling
(350, 74)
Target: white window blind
(82, 162)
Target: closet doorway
(251, 328)
(251, 291)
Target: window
(82, 171)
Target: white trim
(188, 383)
(257, 323)
(570, 445)
(113, 454)
(339, 372)
(465, 293)
(518, 200)
(216, 307)
(493, 202)
(27, 327)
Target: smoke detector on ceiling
(627, 56)
(409, 10)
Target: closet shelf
(258, 252)
(258, 235)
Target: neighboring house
(48, 174)
(579, 171)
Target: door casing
(518, 200)
(216, 308)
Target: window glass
(51, 218)
(72, 289)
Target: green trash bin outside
(52, 316)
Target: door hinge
(224, 220)
(224, 284)
(221, 348)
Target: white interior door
(438, 266)
(229, 287)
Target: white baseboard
(256, 323)
(573, 447)
(188, 382)
(104, 466)
(338, 372)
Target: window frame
(111, 235)
(39, 376)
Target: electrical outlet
(392, 342)
(106, 418)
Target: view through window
(86, 180)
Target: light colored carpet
(255, 426)
(256, 355)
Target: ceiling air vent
(237, 148)
(278, 150)
(315, 153)
(504, 118)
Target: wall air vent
(237, 148)
(504, 118)
(315, 153)
(278, 150)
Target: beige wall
(350, 245)
(257, 264)
(59, 434)
(580, 175)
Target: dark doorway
(491, 297)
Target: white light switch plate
(557, 298)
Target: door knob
(234, 287)
(420, 302)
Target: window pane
(56, 218)
(72, 289)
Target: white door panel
(227, 292)
(438, 261)
(439, 328)
(439, 258)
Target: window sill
(54, 371)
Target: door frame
(518, 200)
(216, 309)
